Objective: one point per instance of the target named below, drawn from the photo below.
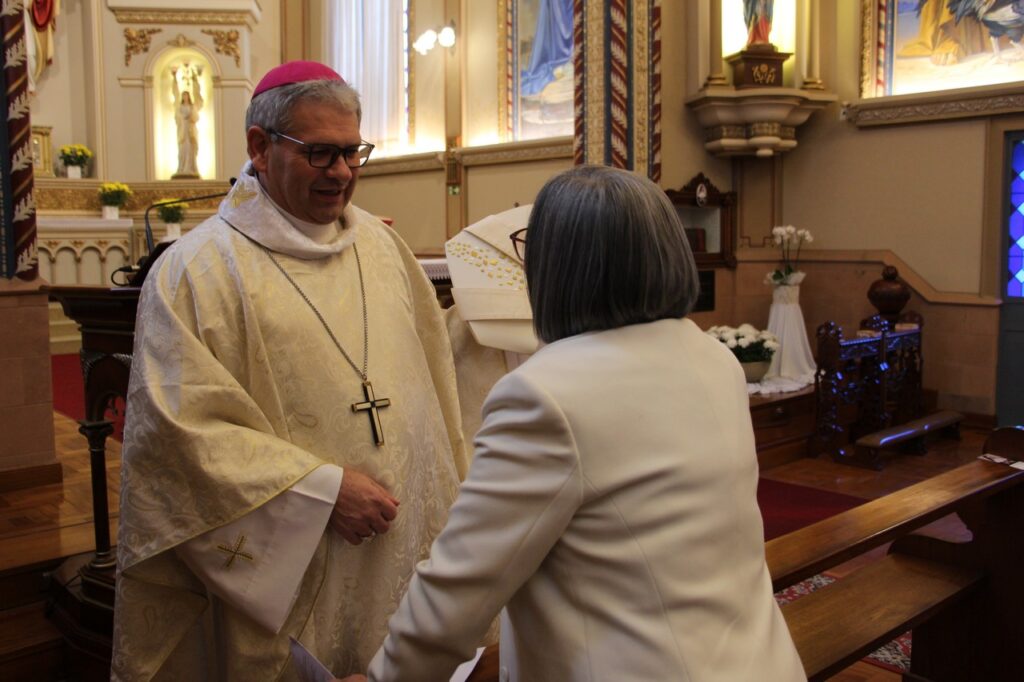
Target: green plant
(172, 213)
(74, 154)
(746, 343)
(114, 193)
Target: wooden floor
(54, 521)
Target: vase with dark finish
(889, 294)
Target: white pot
(173, 231)
(74, 172)
(111, 212)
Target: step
(31, 647)
(841, 623)
(65, 337)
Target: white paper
(307, 666)
(462, 673)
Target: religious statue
(188, 100)
(758, 16)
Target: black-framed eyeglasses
(326, 155)
(519, 242)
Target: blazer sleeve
(524, 486)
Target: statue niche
(188, 102)
(184, 116)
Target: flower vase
(111, 212)
(755, 371)
(74, 172)
(793, 360)
(173, 231)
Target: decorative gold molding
(412, 163)
(137, 41)
(225, 42)
(181, 41)
(42, 152)
(867, 46)
(503, 48)
(516, 152)
(206, 17)
(58, 196)
(938, 106)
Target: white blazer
(611, 507)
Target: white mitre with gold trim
(488, 283)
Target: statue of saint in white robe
(240, 423)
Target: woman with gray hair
(610, 507)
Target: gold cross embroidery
(235, 551)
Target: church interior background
(915, 178)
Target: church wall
(89, 96)
(61, 100)
(916, 189)
(415, 201)
(682, 139)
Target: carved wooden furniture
(709, 217)
(963, 600)
(84, 612)
(783, 426)
(878, 377)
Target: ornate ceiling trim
(516, 152)
(203, 17)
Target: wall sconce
(445, 37)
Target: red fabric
(786, 507)
(69, 392)
(295, 72)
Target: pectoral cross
(372, 404)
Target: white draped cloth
(240, 419)
(793, 365)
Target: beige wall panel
(65, 268)
(416, 202)
(682, 139)
(481, 74)
(493, 189)
(916, 190)
(91, 267)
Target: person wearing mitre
(491, 324)
(293, 437)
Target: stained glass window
(1015, 254)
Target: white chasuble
(237, 394)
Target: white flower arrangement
(786, 237)
(746, 342)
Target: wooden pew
(964, 601)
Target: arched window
(367, 43)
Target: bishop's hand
(363, 508)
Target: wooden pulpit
(84, 610)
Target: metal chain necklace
(370, 404)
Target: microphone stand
(170, 202)
(134, 274)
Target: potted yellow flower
(172, 215)
(113, 195)
(74, 157)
